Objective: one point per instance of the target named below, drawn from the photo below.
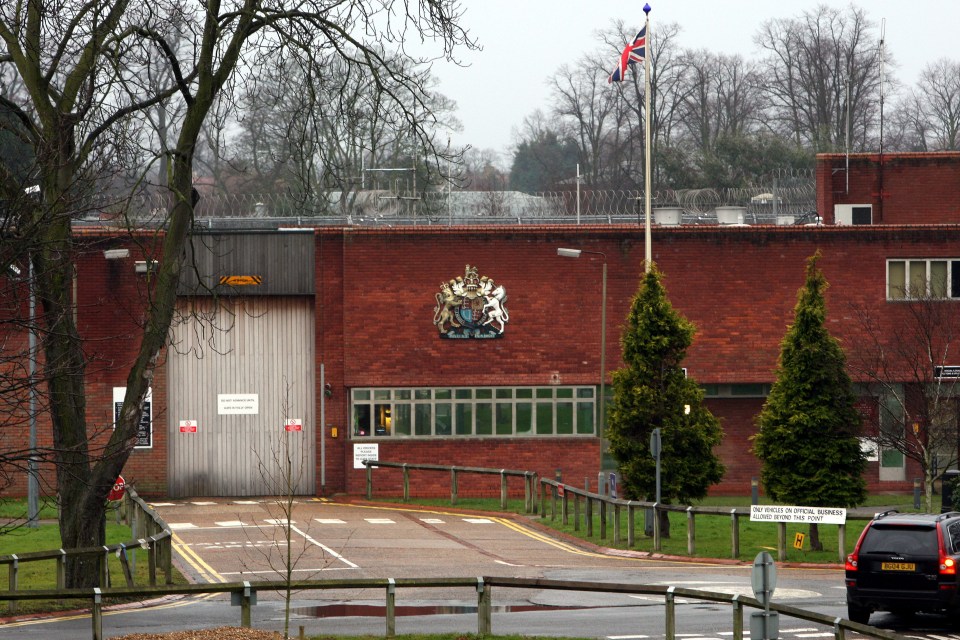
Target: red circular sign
(118, 488)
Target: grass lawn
(42, 574)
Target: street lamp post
(601, 406)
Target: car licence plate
(898, 566)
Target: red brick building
(339, 334)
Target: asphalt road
(233, 540)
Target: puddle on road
(373, 610)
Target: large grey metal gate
(241, 397)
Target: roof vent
(667, 216)
(730, 215)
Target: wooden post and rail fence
(554, 498)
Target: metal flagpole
(648, 255)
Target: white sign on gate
(778, 513)
(366, 451)
(238, 404)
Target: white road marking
(478, 520)
(203, 504)
(231, 523)
(182, 525)
(278, 522)
(626, 637)
(380, 521)
(325, 548)
(432, 520)
(330, 521)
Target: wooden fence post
(406, 483)
(734, 534)
(97, 614)
(369, 482)
(737, 618)
(670, 630)
(588, 516)
(691, 532)
(657, 542)
(782, 541)
(842, 543)
(12, 570)
(391, 607)
(631, 525)
(484, 623)
(453, 486)
(503, 489)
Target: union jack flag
(633, 52)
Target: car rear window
(901, 539)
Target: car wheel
(857, 613)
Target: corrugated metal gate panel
(260, 347)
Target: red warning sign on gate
(293, 424)
(188, 426)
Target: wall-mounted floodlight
(14, 270)
(145, 266)
(568, 253)
(116, 254)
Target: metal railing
(553, 492)
(151, 534)
(529, 480)
(580, 505)
(793, 204)
(244, 595)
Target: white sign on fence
(778, 513)
(363, 452)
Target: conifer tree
(808, 432)
(652, 391)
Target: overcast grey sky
(526, 41)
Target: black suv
(905, 563)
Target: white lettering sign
(238, 404)
(363, 452)
(778, 513)
(145, 428)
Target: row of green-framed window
(474, 411)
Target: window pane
(464, 419)
(442, 394)
(401, 420)
(421, 394)
(545, 392)
(585, 412)
(484, 418)
(361, 420)
(565, 417)
(524, 418)
(382, 420)
(381, 394)
(465, 394)
(564, 393)
(484, 393)
(424, 419)
(504, 393)
(504, 419)
(545, 418)
(585, 392)
(897, 280)
(918, 279)
(402, 394)
(938, 278)
(524, 393)
(955, 278)
(361, 394)
(443, 426)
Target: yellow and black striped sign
(241, 281)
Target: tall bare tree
(910, 410)
(79, 62)
(821, 67)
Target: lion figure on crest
(443, 313)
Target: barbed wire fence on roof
(795, 204)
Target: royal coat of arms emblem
(471, 306)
